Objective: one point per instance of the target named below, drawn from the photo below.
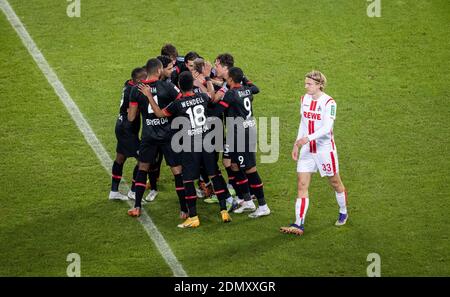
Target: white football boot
(247, 206)
(259, 212)
(151, 196)
(117, 196)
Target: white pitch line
(87, 132)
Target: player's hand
(302, 141)
(145, 89)
(217, 82)
(207, 69)
(197, 83)
(295, 152)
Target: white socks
(342, 202)
(301, 207)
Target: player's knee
(336, 184)
(251, 170)
(120, 159)
(176, 170)
(234, 167)
(302, 185)
(226, 162)
(144, 166)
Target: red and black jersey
(124, 104)
(238, 101)
(177, 69)
(154, 128)
(193, 107)
(125, 101)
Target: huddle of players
(204, 95)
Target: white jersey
(317, 119)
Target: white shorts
(325, 160)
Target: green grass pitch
(390, 78)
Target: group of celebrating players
(183, 102)
(192, 91)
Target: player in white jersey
(318, 150)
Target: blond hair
(318, 77)
(199, 64)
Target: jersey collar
(149, 81)
(189, 94)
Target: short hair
(165, 60)
(226, 59)
(186, 81)
(152, 66)
(236, 74)
(199, 64)
(318, 77)
(169, 50)
(191, 56)
(136, 71)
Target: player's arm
(300, 134)
(133, 106)
(210, 87)
(328, 121)
(249, 83)
(223, 104)
(218, 95)
(145, 89)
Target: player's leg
(116, 177)
(141, 179)
(147, 154)
(153, 174)
(341, 198)
(328, 164)
(132, 191)
(205, 187)
(175, 162)
(209, 160)
(301, 204)
(190, 171)
(306, 166)
(226, 161)
(257, 185)
(243, 189)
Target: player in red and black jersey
(188, 65)
(178, 61)
(156, 132)
(127, 134)
(237, 102)
(222, 65)
(191, 113)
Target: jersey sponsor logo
(312, 115)
(156, 122)
(198, 131)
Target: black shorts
(149, 150)
(127, 140)
(193, 161)
(245, 160)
